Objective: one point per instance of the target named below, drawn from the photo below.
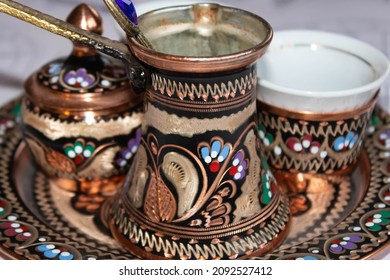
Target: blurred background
(25, 48)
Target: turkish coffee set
(182, 152)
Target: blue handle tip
(128, 9)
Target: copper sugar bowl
(81, 119)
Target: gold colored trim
(191, 91)
(55, 129)
(310, 116)
(143, 254)
(246, 207)
(270, 235)
(195, 107)
(197, 64)
(278, 123)
(173, 124)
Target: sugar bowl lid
(85, 80)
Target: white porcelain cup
(315, 97)
(314, 71)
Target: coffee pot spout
(80, 36)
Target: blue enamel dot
(215, 149)
(339, 143)
(309, 258)
(224, 153)
(42, 248)
(51, 254)
(64, 256)
(205, 152)
(353, 141)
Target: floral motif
(59, 162)
(54, 68)
(374, 123)
(51, 251)
(127, 153)
(269, 182)
(338, 246)
(79, 78)
(215, 155)
(5, 126)
(342, 144)
(79, 151)
(58, 76)
(3, 206)
(268, 139)
(376, 221)
(14, 229)
(384, 138)
(386, 196)
(239, 165)
(305, 145)
(217, 212)
(16, 111)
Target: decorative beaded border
(195, 90)
(263, 233)
(320, 153)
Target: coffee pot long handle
(57, 26)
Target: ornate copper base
(251, 237)
(146, 255)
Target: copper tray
(348, 219)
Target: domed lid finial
(85, 17)
(84, 80)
